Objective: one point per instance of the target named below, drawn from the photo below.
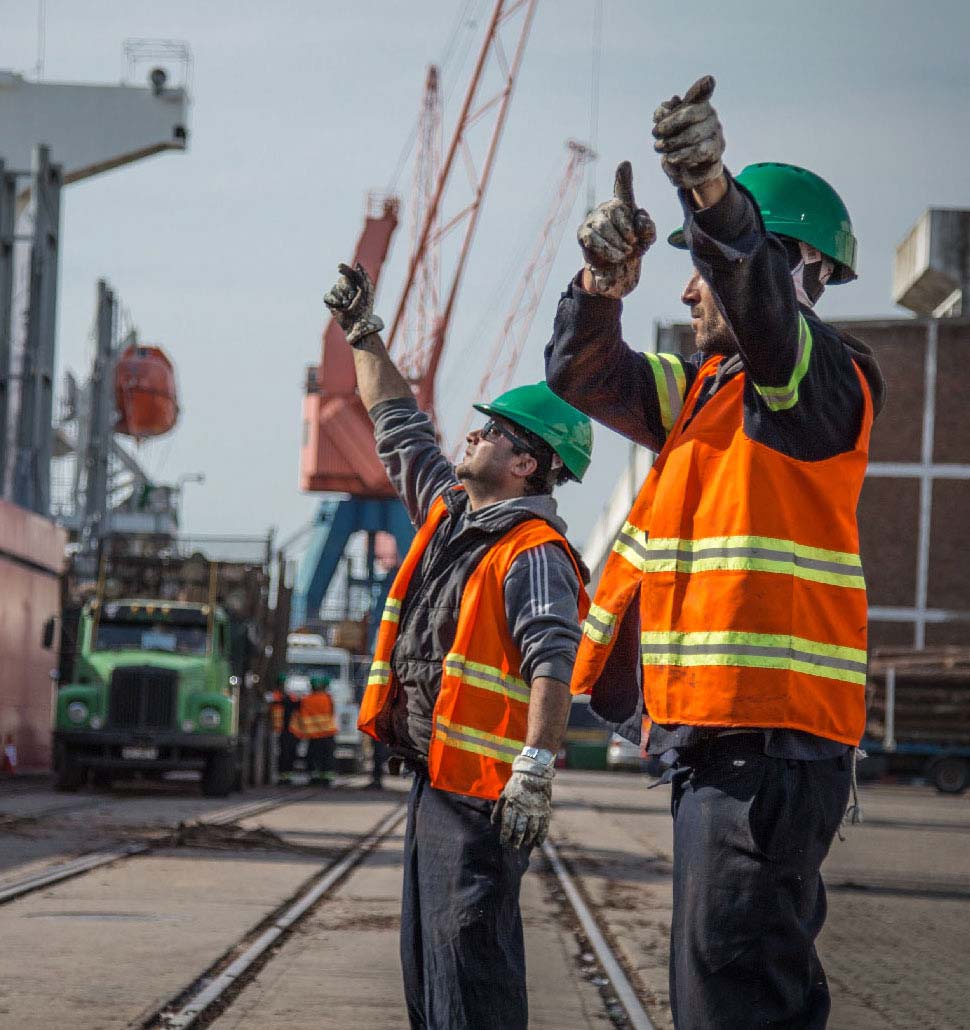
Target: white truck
(309, 655)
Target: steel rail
(626, 995)
(76, 866)
(216, 988)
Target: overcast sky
(222, 253)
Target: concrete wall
(31, 562)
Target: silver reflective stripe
(754, 650)
(781, 398)
(478, 741)
(634, 539)
(487, 677)
(688, 555)
(605, 628)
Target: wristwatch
(539, 754)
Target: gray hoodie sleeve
(407, 446)
(541, 605)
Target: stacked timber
(932, 694)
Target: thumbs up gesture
(689, 137)
(614, 237)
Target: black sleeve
(589, 365)
(747, 270)
(802, 394)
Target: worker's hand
(351, 302)
(689, 137)
(525, 806)
(614, 237)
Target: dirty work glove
(351, 302)
(614, 237)
(689, 137)
(525, 806)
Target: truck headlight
(210, 718)
(77, 712)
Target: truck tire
(951, 775)
(220, 774)
(69, 774)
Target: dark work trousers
(462, 950)
(288, 745)
(750, 834)
(320, 757)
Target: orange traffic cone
(9, 764)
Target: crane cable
(594, 101)
(451, 48)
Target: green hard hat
(536, 408)
(797, 203)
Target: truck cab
(308, 655)
(152, 690)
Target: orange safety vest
(480, 715)
(752, 597)
(314, 718)
(276, 712)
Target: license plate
(142, 754)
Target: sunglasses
(492, 430)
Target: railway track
(213, 990)
(60, 871)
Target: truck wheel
(70, 775)
(219, 776)
(951, 775)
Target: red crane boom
(338, 447)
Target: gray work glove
(614, 237)
(351, 302)
(689, 136)
(525, 806)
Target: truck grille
(142, 698)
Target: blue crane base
(336, 522)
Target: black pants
(288, 745)
(462, 950)
(750, 834)
(320, 757)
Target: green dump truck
(169, 660)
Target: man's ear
(523, 465)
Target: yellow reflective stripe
(392, 610)
(746, 553)
(631, 543)
(599, 624)
(756, 650)
(380, 672)
(486, 677)
(671, 383)
(781, 398)
(466, 738)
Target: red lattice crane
(337, 452)
(507, 348)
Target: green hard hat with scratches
(797, 203)
(535, 407)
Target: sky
(222, 254)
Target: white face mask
(811, 274)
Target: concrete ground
(102, 951)
(897, 939)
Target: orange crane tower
(338, 452)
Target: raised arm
(587, 361)
(746, 268)
(405, 436)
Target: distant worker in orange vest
(285, 713)
(734, 589)
(469, 683)
(317, 724)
